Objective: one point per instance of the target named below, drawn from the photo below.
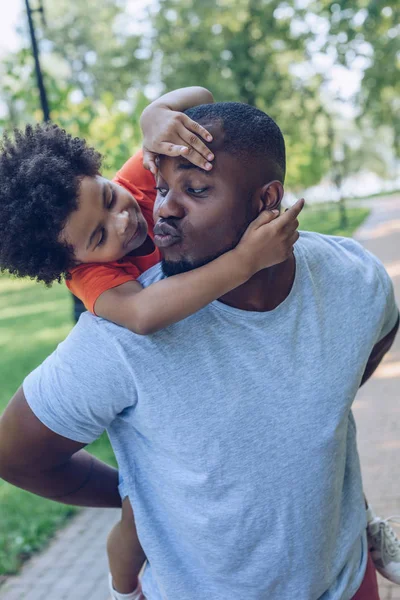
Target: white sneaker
(384, 545)
(135, 595)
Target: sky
(10, 14)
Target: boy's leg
(125, 556)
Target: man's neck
(265, 290)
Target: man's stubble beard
(170, 268)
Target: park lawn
(33, 320)
(325, 218)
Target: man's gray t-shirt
(233, 430)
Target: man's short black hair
(249, 132)
(40, 173)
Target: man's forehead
(217, 131)
(180, 164)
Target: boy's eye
(103, 238)
(197, 190)
(162, 191)
(113, 198)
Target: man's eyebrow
(189, 166)
(104, 198)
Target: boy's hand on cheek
(172, 133)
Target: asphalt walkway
(74, 566)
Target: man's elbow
(9, 471)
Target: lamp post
(78, 306)
(35, 50)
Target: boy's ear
(270, 196)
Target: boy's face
(108, 223)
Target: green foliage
(245, 50)
(93, 44)
(255, 51)
(368, 33)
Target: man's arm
(378, 352)
(40, 461)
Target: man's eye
(113, 198)
(103, 238)
(197, 190)
(162, 191)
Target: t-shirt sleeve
(79, 390)
(141, 181)
(378, 284)
(89, 281)
(390, 312)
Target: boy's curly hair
(40, 173)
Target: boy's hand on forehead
(173, 133)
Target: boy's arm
(146, 311)
(166, 130)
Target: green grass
(377, 195)
(33, 320)
(325, 218)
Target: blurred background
(327, 72)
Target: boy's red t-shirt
(88, 281)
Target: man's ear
(270, 195)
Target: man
(232, 429)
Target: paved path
(74, 567)
(377, 407)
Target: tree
(366, 34)
(245, 50)
(95, 47)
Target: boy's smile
(108, 223)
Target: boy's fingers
(152, 167)
(292, 213)
(291, 226)
(265, 216)
(172, 149)
(198, 152)
(196, 128)
(149, 161)
(293, 238)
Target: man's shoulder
(318, 246)
(343, 260)
(328, 243)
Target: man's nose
(121, 222)
(169, 207)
